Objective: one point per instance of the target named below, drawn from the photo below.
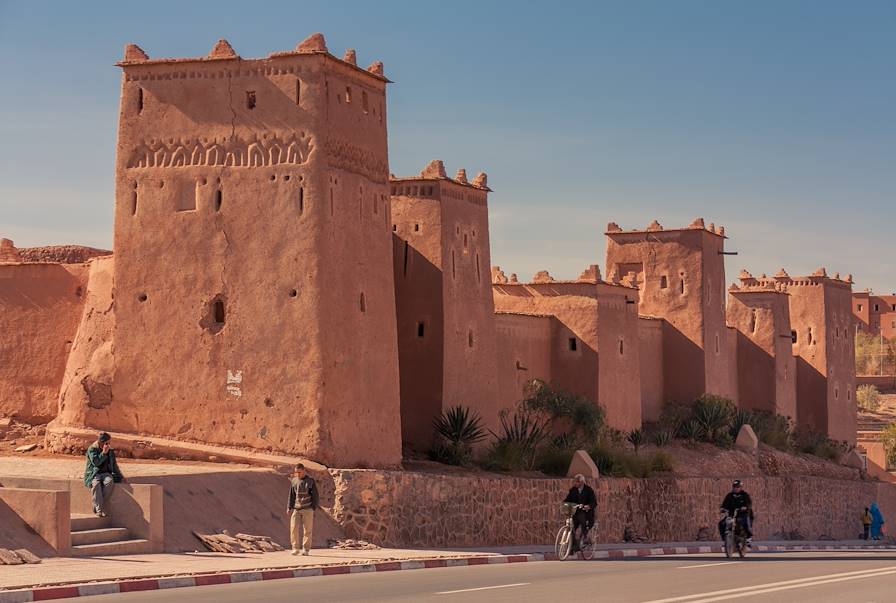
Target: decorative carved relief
(269, 150)
(346, 156)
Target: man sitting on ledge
(102, 472)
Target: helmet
(736, 484)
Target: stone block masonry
(416, 509)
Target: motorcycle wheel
(729, 544)
(563, 545)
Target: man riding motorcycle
(738, 499)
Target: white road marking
(707, 564)
(748, 591)
(467, 590)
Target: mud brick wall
(394, 508)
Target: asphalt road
(847, 577)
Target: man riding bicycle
(581, 494)
(738, 500)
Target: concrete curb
(127, 585)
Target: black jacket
(737, 500)
(585, 497)
(303, 494)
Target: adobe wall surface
(821, 315)
(766, 371)
(85, 394)
(588, 315)
(875, 313)
(300, 355)
(417, 266)
(650, 356)
(885, 383)
(384, 507)
(681, 279)
(524, 354)
(40, 307)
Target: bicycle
(566, 536)
(735, 535)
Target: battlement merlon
(435, 172)
(656, 229)
(134, 56)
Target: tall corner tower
(253, 282)
(681, 275)
(446, 325)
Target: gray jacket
(303, 493)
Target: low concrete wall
(415, 509)
(44, 511)
(137, 507)
(882, 382)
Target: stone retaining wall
(393, 508)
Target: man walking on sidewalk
(303, 499)
(102, 472)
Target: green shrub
(614, 461)
(661, 437)
(554, 458)
(771, 429)
(456, 431)
(636, 438)
(888, 437)
(692, 431)
(515, 448)
(867, 397)
(580, 416)
(818, 444)
(674, 416)
(662, 461)
(715, 416)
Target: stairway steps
(100, 535)
(122, 547)
(81, 522)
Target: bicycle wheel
(563, 544)
(729, 543)
(587, 546)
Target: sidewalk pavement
(64, 577)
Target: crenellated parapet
(655, 228)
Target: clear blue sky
(775, 119)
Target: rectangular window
(877, 307)
(664, 282)
(573, 344)
(364, 103)
(139, 100)
(421, 329)
(348, 94)
(858, 307)
(298, 91)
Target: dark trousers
(581, 520)
(745, 523)
(867, 530)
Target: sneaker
(295, 551)
(305, 553)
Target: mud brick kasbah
(272, 287)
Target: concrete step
(123, 547)
(100, 535)
(81, 522)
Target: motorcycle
(735, 537)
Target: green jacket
(95, 460)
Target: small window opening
(478, 270)
(219, 311)
(298, 91)
(621, 347)
(139, 100)
(793, 336)
(421, 329)
(465, 239)
(718, 349)
(293, 292)
(141, 298)
(332, 206)
(836, 393)
(364, 103)
(848, 395)
(664, 282)
(405, 269)
(301, 200)
(470, 338)
(363, 303)
(348, 94)
(416, 228)
(395, 228)
(809, 340)
(219, 197)
(250, 99)
(877, 307)
(859, 307)
(453, 266)
(753, 322)
(134, 203)
(681, 286)
(573, 344)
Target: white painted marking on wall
(234, 379)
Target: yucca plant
(516, 446)
(715, 416)
(662, 437)
(457, 429)
(636, 438)
(692, 431)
